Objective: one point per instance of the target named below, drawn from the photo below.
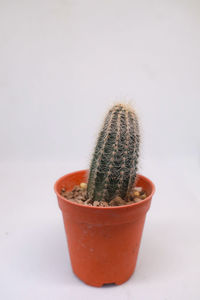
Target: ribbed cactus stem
(114, 163)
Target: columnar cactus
(114, 164)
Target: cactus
(114, 164)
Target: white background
(62, 64)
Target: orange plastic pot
(103, 241)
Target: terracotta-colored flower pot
(103, 241)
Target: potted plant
(104, 209)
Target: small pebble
(143, 196)
(129, 202)
(79, 201)
(83, 185)
(87, 202)
(96, 203)
(136, 194)
(117, 201)
(80, 198)
(113, 203)
(103, 204)
(68, 195)
(138, 189)
(136, 200)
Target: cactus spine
(114, 164)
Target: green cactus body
(114, 164)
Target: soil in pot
(79, 195)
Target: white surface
(64, 62)
(33, 252)
(62, 65)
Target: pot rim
(100, 207)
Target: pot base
(101, 284)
